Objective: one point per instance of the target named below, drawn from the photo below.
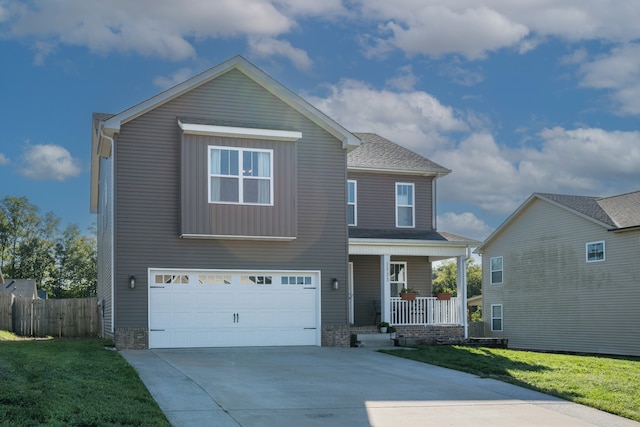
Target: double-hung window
(595, 251)
(398, 279)
(405, 205)
(496, 317)
(240, 176)
(496, 270)
(352, 202)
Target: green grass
(71, 383)
(610, 383)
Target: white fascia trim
(420, 172)
(410, 248)
(237, 237)
(239, 132)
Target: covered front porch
(380, 268)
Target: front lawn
(610, 383)
(71, 383)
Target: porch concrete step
(372, 340)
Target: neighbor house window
(496, 270)
(496, 317)
(352, 202)
(595, 251)
(398, 277)
(405, 205)
(240, 176)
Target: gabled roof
(379, 154)
(25, 288)
(106, 126)
(585, 205)
(615, 213)
(624, 209)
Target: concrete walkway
(324, 386)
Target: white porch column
(462, 292)
(385, 288)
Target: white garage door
(220, 308)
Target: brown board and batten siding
(213, 219)
(376, 199)
(552, 298)
(148, 198)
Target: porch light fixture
(335, 284)
(132, 281)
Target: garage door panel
(222, 309)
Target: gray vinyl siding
(366, 282)
(202, 218)
(104, 237)
(552, 298)
(377, 199)
(148, 198)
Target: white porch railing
(424, 311)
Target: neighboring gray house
(23, 288)
(222, 208)
(562, 274)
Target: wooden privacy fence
(75, 317)
(6, 321)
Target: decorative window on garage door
(296, 280)
(214, 279)
(172, 279)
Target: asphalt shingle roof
(377, 152)
(620, 211)
(360, 233)
(19, 287)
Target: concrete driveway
(324, 386)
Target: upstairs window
(240, 176)
(496, 270)
(352, 202)
(595, 251)
(405, 205)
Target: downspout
(463, 276)
(434, 210)
(112, 237)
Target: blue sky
(514, 97)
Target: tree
(18, 220)
(445, 278)
(76, 257)
(32, 247)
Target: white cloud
(404, 80)
(416, 120)
(438, 27)
(159, 28)
(585, 161)
(4, 160)
(465, 224)
(49, 162)
(178, 77)
(437, 30)
(618, 71)
(267, 47)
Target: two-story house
(561, 274)
(227, 216)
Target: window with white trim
(352, 202)
(496, 270)
(398, 277)
(595, 251)
(405, 205)
(496, 317)
(240, 176)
